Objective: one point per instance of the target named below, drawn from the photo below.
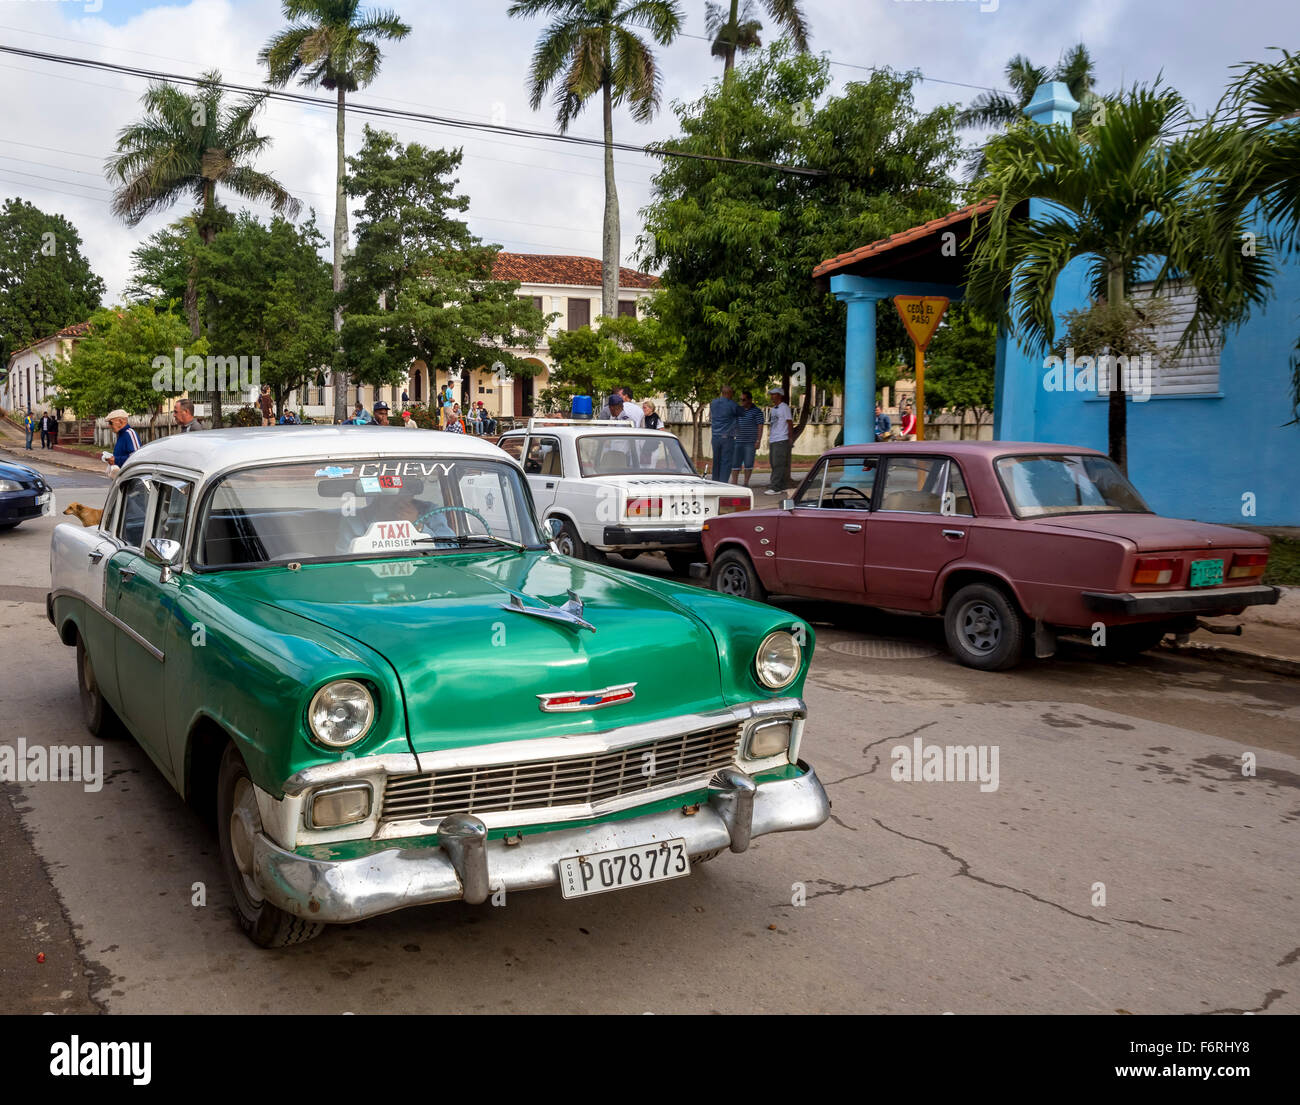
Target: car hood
(19, 472)
(471, 670)
(1153, 533)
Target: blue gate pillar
(859, 359)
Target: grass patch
(1284, 562)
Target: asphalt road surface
(1124, 863)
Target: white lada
(618, 489)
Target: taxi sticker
(333, 472)
(369, 485)
(390, 481)
(387, 537)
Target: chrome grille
(541, 784)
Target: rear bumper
(1181, 602)
(626, 537)
(467, 865)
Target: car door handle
(954, 533)
(96, 556)
(550, 485)
(127, 575)
(852, 527)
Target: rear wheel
(238, 824)
(97, 714)
(734, 574)
(984, 629)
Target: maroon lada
(1008, 541)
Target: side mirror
(165, 553)
(553, 529)
(787, 504)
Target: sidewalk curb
(20, 456)
(1278, 665)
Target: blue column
(859, 368)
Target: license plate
(687, 507)
(1206, 573)
(46, 503)
(621, 867)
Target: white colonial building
(563, 285)
(25, 386)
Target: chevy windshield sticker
(404, 468)
(333, 472)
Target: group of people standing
(621, 406)
(48, 424)
(738, 432)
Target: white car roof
(214, 450)
(572, 429)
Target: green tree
(272, 298)
(185, 146)
(1137, 190)
(592, 47)
(45, 281)
(736, 28)
(959, 366)
(332, 44)
(736, 244)
(1075, 69)
(419, 284)
(162, 265)
(113, 365)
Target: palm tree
(1118, 197)
(592, 47)
(739, 30)
(332, 44)
(998, 110)
(185, 146)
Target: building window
(627, 308)
(579, 313)
(1196, 370)
(537, 302)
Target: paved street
(920, 896)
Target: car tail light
(732, 504)
(644, 508)
(1150, 569)
(1248, 565)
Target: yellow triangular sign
(921, 315)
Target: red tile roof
(556, 268)
(843, 260)
(76, 330)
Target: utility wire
(376, 110)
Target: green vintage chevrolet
(356, 650)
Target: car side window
(543, 457)
(169, 518)
(811, 492)
(914, 485)
(133, 507)
(513, 445)
(841, 483)
(956, 499)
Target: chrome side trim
(156, 653)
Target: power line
(376, 110)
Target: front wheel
(734, 574)
(984, 629)
(238, 824)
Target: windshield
(1044, 484)
(632, 455)
(355, 509)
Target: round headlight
(341, 713)
(778, 660)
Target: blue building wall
(1211, 457)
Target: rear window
(1043, 484)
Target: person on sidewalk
(184, 413)
(632, 408)
(722, 418)
(49, 426)
(749, 430)
(882, 424)
(778, 438)
(29, 424)
(266, 404)
(127, 442)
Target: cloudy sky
(465, 58)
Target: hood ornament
(568, 614)
(567, 701)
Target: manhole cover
(880, 649)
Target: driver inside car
(395, 507)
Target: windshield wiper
(462, 540)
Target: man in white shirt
(632, 408)
(778, 441)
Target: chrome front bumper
(467, 865)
